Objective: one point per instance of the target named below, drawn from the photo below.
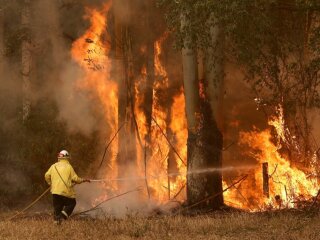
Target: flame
(179, 129)
(160, 156)
(92, 55)
(287, 183)
(162, 187)
(91, 52)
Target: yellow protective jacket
(61, 177)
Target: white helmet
(63, 154)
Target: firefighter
(62, 177)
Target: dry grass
(281, 225)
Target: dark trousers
(62, 203)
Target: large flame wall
(91, 52)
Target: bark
(26, 60)
(190, 80)
(204, 136)
(215, 91)
(195, 182)
(215, 74)
(210, 140)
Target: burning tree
(115, 59)
(279, 62)
(116, 76)
(204, 136)
(139, 104)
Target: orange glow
(179, 129)
(91, 53)
(157, 159)
(287, 183)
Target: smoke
(117, 197)
(91, 195)
(53, 91)
(61, 79)
(14, 181)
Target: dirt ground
(271, 225)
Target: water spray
(200, 171)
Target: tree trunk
(215, 74)
(195, 183)
(204, 136)
(191, 84)
(126, 141)
(215, 92)
(150, 72)
(122, 86)
(26, 60)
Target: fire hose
(175, 174)
(48, 189)
(30, 205)
(130, 179)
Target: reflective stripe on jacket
(61, 177)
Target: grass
(276, 225)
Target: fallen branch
(275, 169)
(30, 205)
(177, 194)
(214, 196)
(244, 198)
(165, 136)
(99, 204)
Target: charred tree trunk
(150, 71)
(126, 141)
(26, 59)
(149, 87)
(122, 86)
(265, 179)
(210, 139)
(132, 127)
